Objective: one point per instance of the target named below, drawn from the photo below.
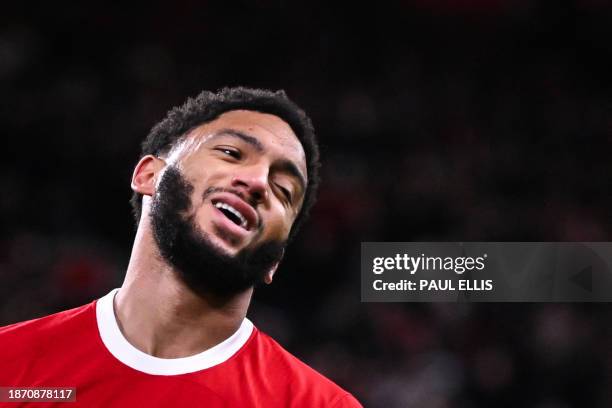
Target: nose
(253, 181)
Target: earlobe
(270, 274)
(145, 174)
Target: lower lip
(222, 221)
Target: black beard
(204, 267)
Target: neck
(158, 314)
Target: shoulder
(48, 323)
(298, 376)
(39, 333)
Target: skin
(156, 311)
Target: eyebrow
(253, 141)
(284, 165)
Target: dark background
(441, 120)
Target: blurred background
(439, 120)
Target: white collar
(129, 355)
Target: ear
(270, 274)
(145, 174)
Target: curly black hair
(208, 106)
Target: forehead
(274, 133)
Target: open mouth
(233, 214)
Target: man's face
(248, 170)
(231, 191)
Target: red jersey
(84, 348)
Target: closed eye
(286, 193)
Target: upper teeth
(243, 221)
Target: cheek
(202, 180)
(278, 224)
(199, 208)
(199, 212)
